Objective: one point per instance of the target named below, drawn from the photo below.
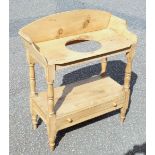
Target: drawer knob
(69, 120)
(114, 104)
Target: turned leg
(32, 93)
(128, 69)
(103, 67)
(51, 127)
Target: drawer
(88, 113)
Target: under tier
(82, 100)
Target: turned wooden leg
(51, 119)
(125, 107)
(32, 93)
(51, 123)
(51, 132)
(128, 69)
(103, 67)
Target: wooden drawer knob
(69, 120)
(114, 104)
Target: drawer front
(88, 113)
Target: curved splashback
(66, 24)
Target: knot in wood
(60, 31)
(85, 24)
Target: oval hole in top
(83, 45)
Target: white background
(4, 77)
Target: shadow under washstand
(39, 121)
(137, 149)
(115, 69)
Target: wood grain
(56, 52)
(66, 24)
(75, 98)
(45, 42)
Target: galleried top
(49, 35)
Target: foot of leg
(51, 136)
(52, 145)
(122, 115)
(34, 121)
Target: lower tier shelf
(82, 100)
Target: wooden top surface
(49, 35)
(56, 52)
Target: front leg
(51, 120)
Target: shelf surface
(56, 52)
(82, 95)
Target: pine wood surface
(56, 52)
(66, 24)
(76, 96)
(45, 41)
